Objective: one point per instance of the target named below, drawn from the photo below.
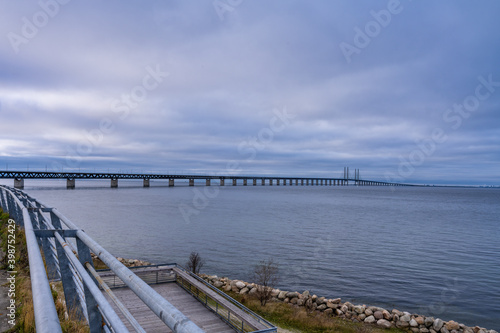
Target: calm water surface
(433, 251)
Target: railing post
(95, 317)
(50, 260)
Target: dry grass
(25, 315)
(297, 319)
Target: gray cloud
(226, 78)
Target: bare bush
(195, 262)
(266, 276)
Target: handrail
(45, 313)
(46, 318)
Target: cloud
(227, 77)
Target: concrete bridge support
(19, 183)
(271, 182)
(284, 182)
(278, 182)
(222, 182)
(114, 182)
(191, 182)
(145, 183)
(255, 182)
(245, 182)
(307, 182)
(234, 181)
(171, 182)
(70, 183)
(302, 182)
(317, 182)
(263, 182)
(208, 182)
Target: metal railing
(235, 314)
(66, 249)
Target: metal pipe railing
(170, 315)
(46, 318)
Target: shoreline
(374, 315)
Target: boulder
(362, 317)
(370, 320)
(387, 315)
(306, 293)
(329, 311)
(424, 329)
(437, 325)
(275, 292)
(452, 325)
(397, 312)
(444, 330)
(384, 323)
(321, 307)
(336, 300)
(413, 323)
(344, 308)
(253, 291)
(420, 320)
(244, 291)
(428, 321)
(405, 318)
(320, 300)
(294, 300)
(240, 284)
(379, 315)
(218, 284)
(338, 312)
(282, 295)
(369, 312)
(359, 309)
(292, 294)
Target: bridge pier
(255, 182)
(171, 182)
(263, 182)
(284, 182)
(145, 183)
(234, 181)
(278, 182)
(191, 182)
(245, 182)
(70, 183)
(271, 182)
(114, 182)
(208, 182)
(222, 182)
(19, 183)
(302, 182)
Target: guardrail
(236, 315)
(66, 249)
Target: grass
(299, 320)
(25, 315)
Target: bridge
(20, 176)
(119, 299)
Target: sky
(405, 91)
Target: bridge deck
(179, 298)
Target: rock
(331, 305)
(424, 330)
(362, 317)
(253, 291)
(344, 308)
(294, 300)
(329, 311)
(369, 312)
(244, 291)
(452, 325)
(227, 288)
(405, 318)
(218, 284)
(444, 330)
(336, 300)
(321, 307)
(282, 295)
(387, 315)
(339, 312)
(384, 323)
(275, 292)
(287, 300)
(437, 325)
(309, 303)
(240, 284)
(428, 321)
(415, 330)
(314, 298)
(292, 294)
(370, 320)
(359, 309)
(420, 320)
(320, 300)
(306, 293)
(397, 312)
(413, 323)
(378, 315)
